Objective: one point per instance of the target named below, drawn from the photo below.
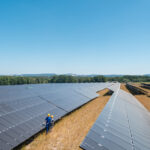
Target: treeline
(13, 80)
(76, 79)
(130, 78)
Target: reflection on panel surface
(124, 124)
(23, 108)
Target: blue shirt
(48, 120)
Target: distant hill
(37, 75)
(147, 75)
(68, 74)
(113, 75)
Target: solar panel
(23, 108)
(123, 124)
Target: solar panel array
(23, 108)
(124, 124)
(147, 86)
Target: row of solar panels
(23, 108)
(147, 86)
(124, 124)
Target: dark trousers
(48, 125)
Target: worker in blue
(48, 121)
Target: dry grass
(69, 132)
(144, 99)
(123, 87)
(139, 86)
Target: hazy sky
(75, 36)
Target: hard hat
(48, 115)
(52, 116)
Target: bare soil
(123, 87)
(143, 99)
(139, 86)
(70, 131)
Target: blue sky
(75, 36)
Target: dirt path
(144, 99)
(69, 132)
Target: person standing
(48, 121)
(52, 121)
